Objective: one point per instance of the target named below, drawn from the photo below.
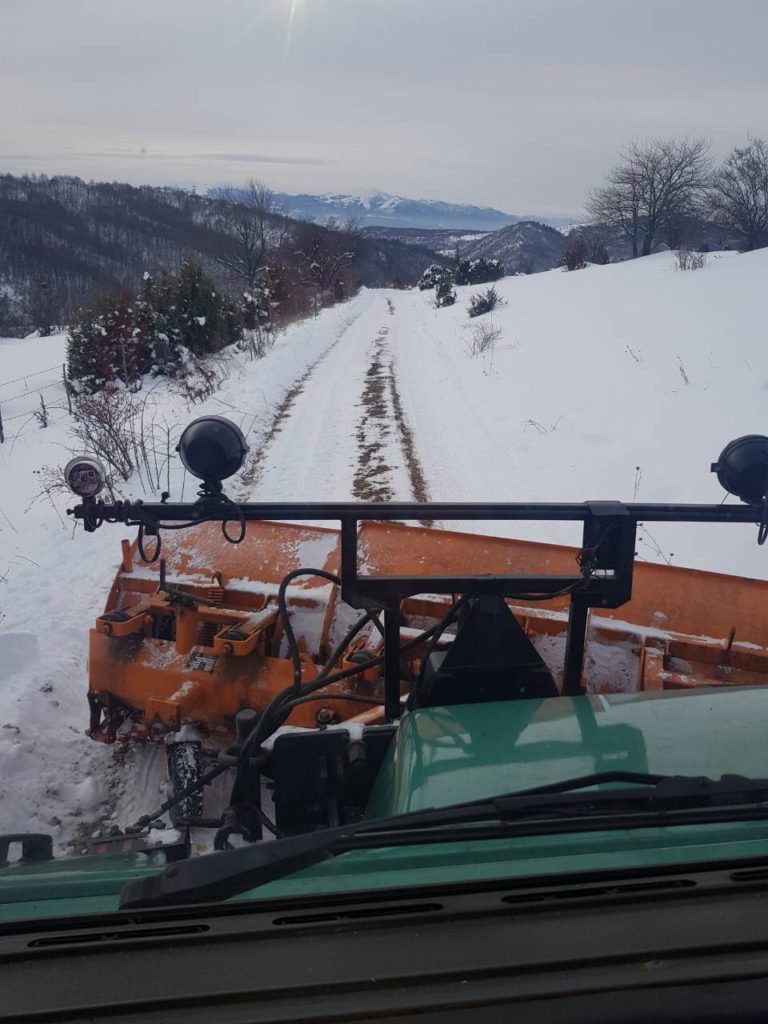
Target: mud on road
(383, 431)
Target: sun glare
(293, 5)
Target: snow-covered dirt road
(613, 382)
(337, 433)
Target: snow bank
(617, 382)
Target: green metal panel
(71, 885)
(65, 888)
(446, 755)
(450, 754)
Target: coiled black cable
(762, 529)
(282, 605)
(140, 545)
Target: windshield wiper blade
(640, 787)
(218, 876)
(579, 796)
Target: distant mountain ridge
(527, 247)
(381, 209)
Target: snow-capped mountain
(380, 208)
(372, 208)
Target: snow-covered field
(613, 382)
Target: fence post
(66, 387)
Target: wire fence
(34, 396)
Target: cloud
(151, 155)
(262, 158)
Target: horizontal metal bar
(499, 511)
(504, 585)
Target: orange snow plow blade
(204, 640)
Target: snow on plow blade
(203, 639)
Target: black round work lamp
(212, 448)
(742, 469)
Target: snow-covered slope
(622, 381)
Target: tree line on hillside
(65, 242)
(274, 270)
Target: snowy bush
(104, 425)
(686, 259)
(128, 434)
(153, 322)
(204, 319)
(120, 341)
(256, 308)
(431, 277)
(102, 346)
(445, 294)
(575, 254)
(483, 302)
(41, 414)
(484, 338)
(479, 271)
(258, 341)
(581, 249)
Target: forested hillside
(64, 241)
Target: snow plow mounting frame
(605, 561)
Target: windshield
(426, 256)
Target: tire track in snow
(314, 454)
(253, 471)
(416, 475)
(383, 430)
(373, 474)
(340, 431)
(408, 443)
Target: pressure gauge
(85, 476)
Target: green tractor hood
(447, 755)
(451, 754)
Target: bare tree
(43, 308)
(739, 194)
(653, 186)
(104, 424)
(323, 254)
(618, 203)
(257, 228)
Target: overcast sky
(519, 104)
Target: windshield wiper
(640, 800)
